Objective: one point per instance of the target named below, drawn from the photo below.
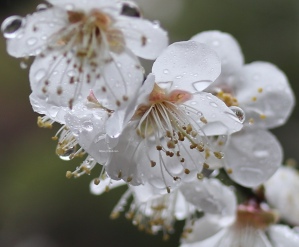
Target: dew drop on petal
(31, 41)
(260, 153)
(213, 104)
(41, 7)
(67, 154)
(239, 113)
(165, 71)
(193, 103)
(11, 26)
(99, 138)
(87, 125)
(200, 85)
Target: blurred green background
(39, 207)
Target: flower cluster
(167, 135)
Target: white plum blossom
(282, 192)
(262, 91)
(83, 45)
(254, 226)
(168, 136)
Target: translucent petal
(88, 126)
(60, 80)
(253, 156)
(32, 37)
(188, 66)
(101, 187)
(42, 107)
(264, 94)
(211, 196)
(281, 192)
(144, 38)
(226, 47)
(283, 236)
(220, 120)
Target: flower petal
(253, 156)
(144, 38)
(264, 94)
(31, 38)
(188, 66)
(283, 236)
(281, 191)
(226, 47)
(86, 5)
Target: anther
(170, 144)
(129, 179)
(119, 174)
(218, 155)
(200, 176)
(206, 166)
(69, 174)
(187, 171)
(159, 148)
(203, 120)
(153, 163)
(168, 189)
(96, 181)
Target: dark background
(39, 207)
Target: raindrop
(178, 77)
(71, 73)
(99, 138)
(165, 71)
(67, 154)
(201, 85)
(88, 126)
(11, 26)
(31, 41)
(239, 113)
(213, 104)
(41, 7)
(40, 74)
(193, 103)
(44, 37)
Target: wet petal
(226, 47)
(86, 5)
(282, 236)
(188, 66)
(144, 38)
(88, 127)
(211, 196)
(264, 94)
(214, 117)
(252, 156)
(31, 38)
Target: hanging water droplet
(11, 26)
(67, 154)
(41, 7)
(201, 85)
(165, 71)
(87, 125)
(239, 113)
(31, 41)
(23, 65)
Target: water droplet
(213, 104)
(44, 37)
(178, 77)
(69, 7)
(209, 97)
(239, 113)
(201, 85)
(193, 102)
(11, 26)
(100, 138)
(87, 125)
(40, 74)
(118, 65)
(260, 153)
(23, 65)
(71, 73)
(165, 71)
(67, 154)
(41, 7)
(31, 41)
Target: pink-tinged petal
(283, 236)
(88, 127)
(252, 156)
(116, 123)
(189, 66)
(210, 196)
(226, 47)
(213, 116)
(103, 185)
(264, 94)
(31, 38)
(144, 38)
(281, 192)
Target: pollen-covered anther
(206, 166)
(170, 144)
(262, 116)
(168, 189)
(260, 90)
(254, 98)
(207, 153)
(200, 147)
(193, 145)
(168, 134)
(159, 148)
(153, 163)
(229, 171)
(85, 169)
(193, 133)
(96, 181)
(187, 171)
(44, 122)
(218, 155)
(69, 174)
(188, 129)
(129, 179)
(125, 98)
(182, 160)
(227, 98)
(203, 120)
(119, 175)
(251, 121)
